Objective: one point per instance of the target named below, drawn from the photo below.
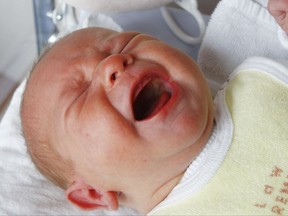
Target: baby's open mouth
(149, 97)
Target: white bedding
(23, 191)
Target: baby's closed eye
(78, 81)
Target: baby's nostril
(113, 76)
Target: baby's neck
(144, 200)
(144, 194)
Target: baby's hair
(42, 153)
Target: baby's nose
(114, 66)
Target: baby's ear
(88, 198)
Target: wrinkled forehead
(89, 36)
(73, 45)
(96, 38)
(50, 71)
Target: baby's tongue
(150, 100)
(162, 100)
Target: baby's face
(122, 106)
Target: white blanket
(237, 30)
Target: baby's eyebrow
(76, 80)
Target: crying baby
(115, 118)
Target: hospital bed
(24, 191)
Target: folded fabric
(283, 37)
(238, 30)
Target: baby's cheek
(192, 121)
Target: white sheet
(23, 191)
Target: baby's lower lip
(170, 105)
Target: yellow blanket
(253, 178)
